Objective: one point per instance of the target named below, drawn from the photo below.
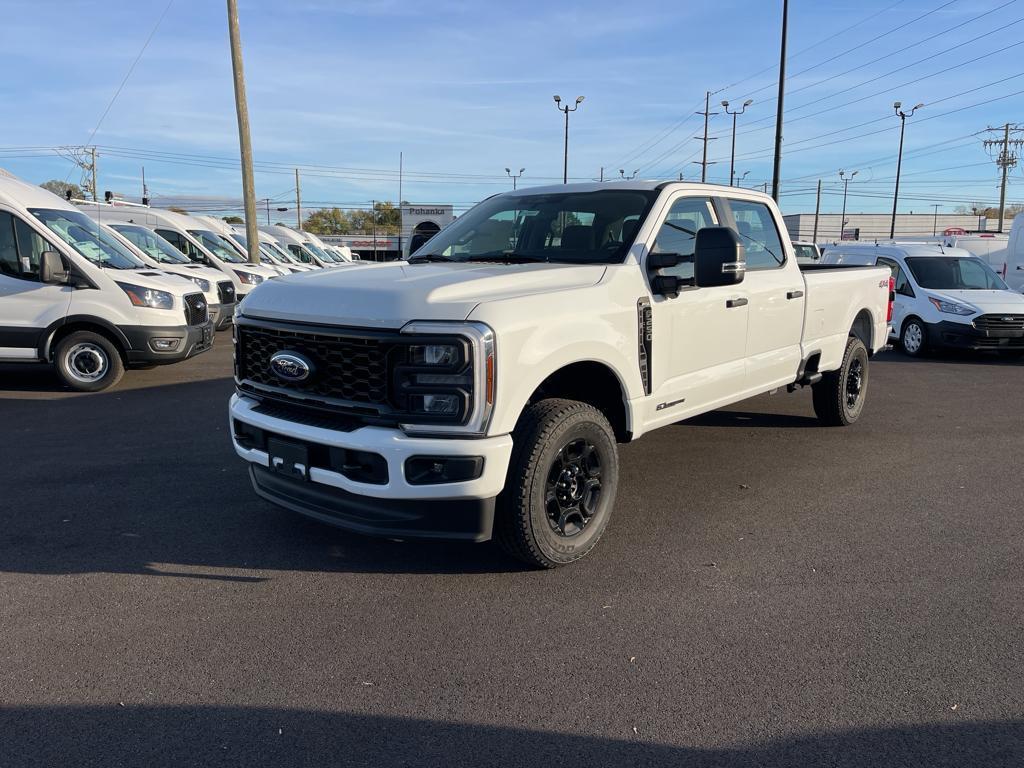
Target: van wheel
(88, 362)
(839, 396)
(914, 337)
(561, 484)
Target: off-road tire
(546, 430)
(835, 403)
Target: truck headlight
(249, 278)
(444, 380)
(148, 297)
(951, 307)
(204, 285)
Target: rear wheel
(914, 337)
(88, 362)
(839, 396)
(561, 484)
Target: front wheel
(561, 484)
(914, 337)
(839, 396)
(88, 362)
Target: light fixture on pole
(732, 157)
(846, 184)
(899, 159)
(514, 176)
(566, 109)
(739, 181)
(622, 174)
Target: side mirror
(51, 268)
(719, 257)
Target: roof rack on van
(110, 203)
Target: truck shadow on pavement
(948, 356)
(254, 737)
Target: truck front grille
(196, 311)
(226, 292)
(352, 369)
(999, 323)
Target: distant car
(945, 297)
(806, 253)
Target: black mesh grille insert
(196, 312)
(349, 368)
(226, 292)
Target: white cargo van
(299, 245)
(76, 297)
(945, 297)
(178, 230)
(235, 237)
(990, 247)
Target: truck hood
(391, 295)
(987, 302)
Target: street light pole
(846, 185)
(732, 156)
(899, 159)
(935, 219)
(778, 112)
(514, 176)
(566, 109)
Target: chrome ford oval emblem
(290, 366)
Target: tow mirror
(719, 257)
(51, 268)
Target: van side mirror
(719, 257)
(51, 268)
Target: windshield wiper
(429, 257)
(508, 257)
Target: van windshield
(152, 244)
(946, 273)
(85, 236)
(217, 245)
(565, 227)
(319, 251)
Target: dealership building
(420, 222)
(876, 226)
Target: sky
(463, 90)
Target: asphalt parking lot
(769, 592)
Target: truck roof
(637, 185)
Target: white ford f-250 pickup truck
(479, 388)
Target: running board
(806, 380)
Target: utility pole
(732, 155)
(244, 140)
(778, 111)
(846, 185)
(94, 187)
(145, 191)
(817, 210)
(899, 159)
(935, 219)
(1005, 159)
(707, 114)
(298, 202)
(401, 205)
(373, 219)
(268, 211)
(567, 110)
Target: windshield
(945, 273)
(85, 236)
(151, 243)
(217, 245)
(564, 227)
(319, 251)
(281, 255)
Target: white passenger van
(178, 229)
(299, 245)
(945, 297)
(235, 237)
(75, 296)
(326, 248)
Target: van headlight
(204, 285)
(951, 307)
(148, 297)
(444, 378)
(249, 278)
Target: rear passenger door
(775, 289)
(27, 306)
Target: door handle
(731, 303)
(794, 294)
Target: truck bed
(836, 293)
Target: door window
(20, 248)
(678, 233)
(180, 242)
(759, 235)
(902, 284)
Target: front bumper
(221, 315)
(191, 340)
(965, 336)
(391, 505)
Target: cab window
(759, 235)
(20, 248)
(678, 233)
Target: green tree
(61, 188)
(384, 217)
(234, 219)
(328, 221)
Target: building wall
(874, 226)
